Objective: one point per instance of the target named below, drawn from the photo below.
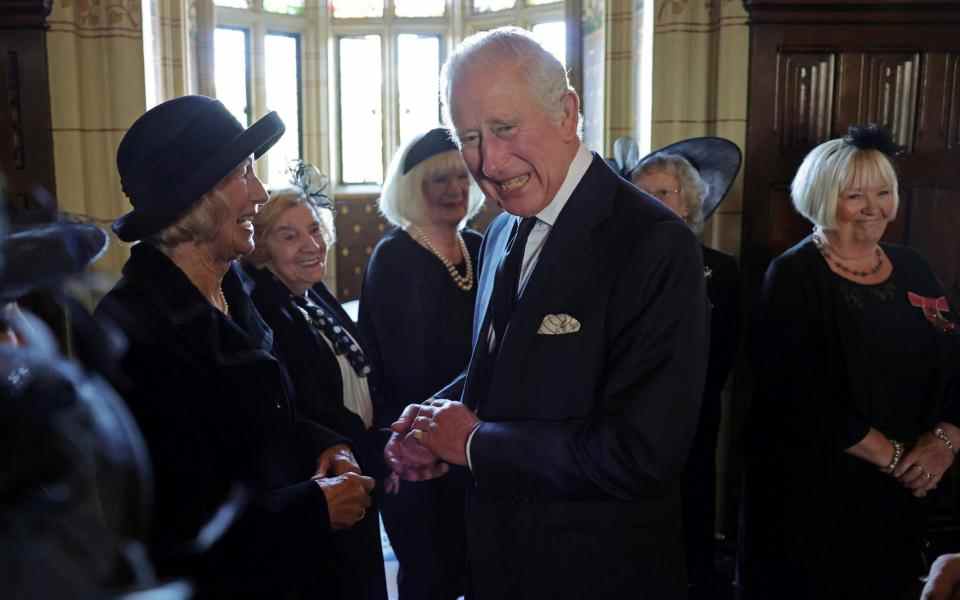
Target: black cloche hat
(716, 159)
(176, 152)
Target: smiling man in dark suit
(582, 393)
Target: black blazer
(578, 462)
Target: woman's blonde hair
(693, 189)
(279, 202)
(401, 200)
(202, 222)
(829, 169)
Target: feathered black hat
(873, 137)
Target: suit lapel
(498, 234)
(566, 255)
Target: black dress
(832, 359)
(700, 480)
(415, 323)
(318, 381)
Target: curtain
(95, 52)
(700, 65)
(107, 65)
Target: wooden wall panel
(803, 110)
(951, 100)
(934, 223)
(891, 93)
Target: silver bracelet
(897, 455)
(943, 437)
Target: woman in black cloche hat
(213, 403)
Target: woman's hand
(348, 497)
(922, 468)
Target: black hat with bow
(178, 151)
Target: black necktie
(326, 324)
(504, 297)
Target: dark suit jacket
(578, 461)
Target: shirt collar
(578, 168)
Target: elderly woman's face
(244, 194)
(665, 188)
(297, 250)
(864, 209)
(446, 195)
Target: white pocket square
(558, 325)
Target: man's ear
(570, 120)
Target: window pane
(285, 7)
(352, 9)
(553, 36)
(539, 2)
(230, 65)
(482, 6)
(233, 3)
(361, 122)
(418, 78)
(283, 87)
(418, 8)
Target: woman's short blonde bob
(831, 168)
(401, 199)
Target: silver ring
(929, 476)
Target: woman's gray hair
(547, 77)
(281, 201)
(693, 189)
(202, 222)
(401, 199)
(829, 169)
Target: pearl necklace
(226, 305)
(821, 245)
(465, 281)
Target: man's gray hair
(546, 75)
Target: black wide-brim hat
(178, 151)
(716, 159)
(43, 257)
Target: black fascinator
(311, 183)
(873, 137)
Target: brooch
(933, 309)
(707, 272)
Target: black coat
(213, 404)
(316, 375)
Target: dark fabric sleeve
(654, 372)
(803, 391)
